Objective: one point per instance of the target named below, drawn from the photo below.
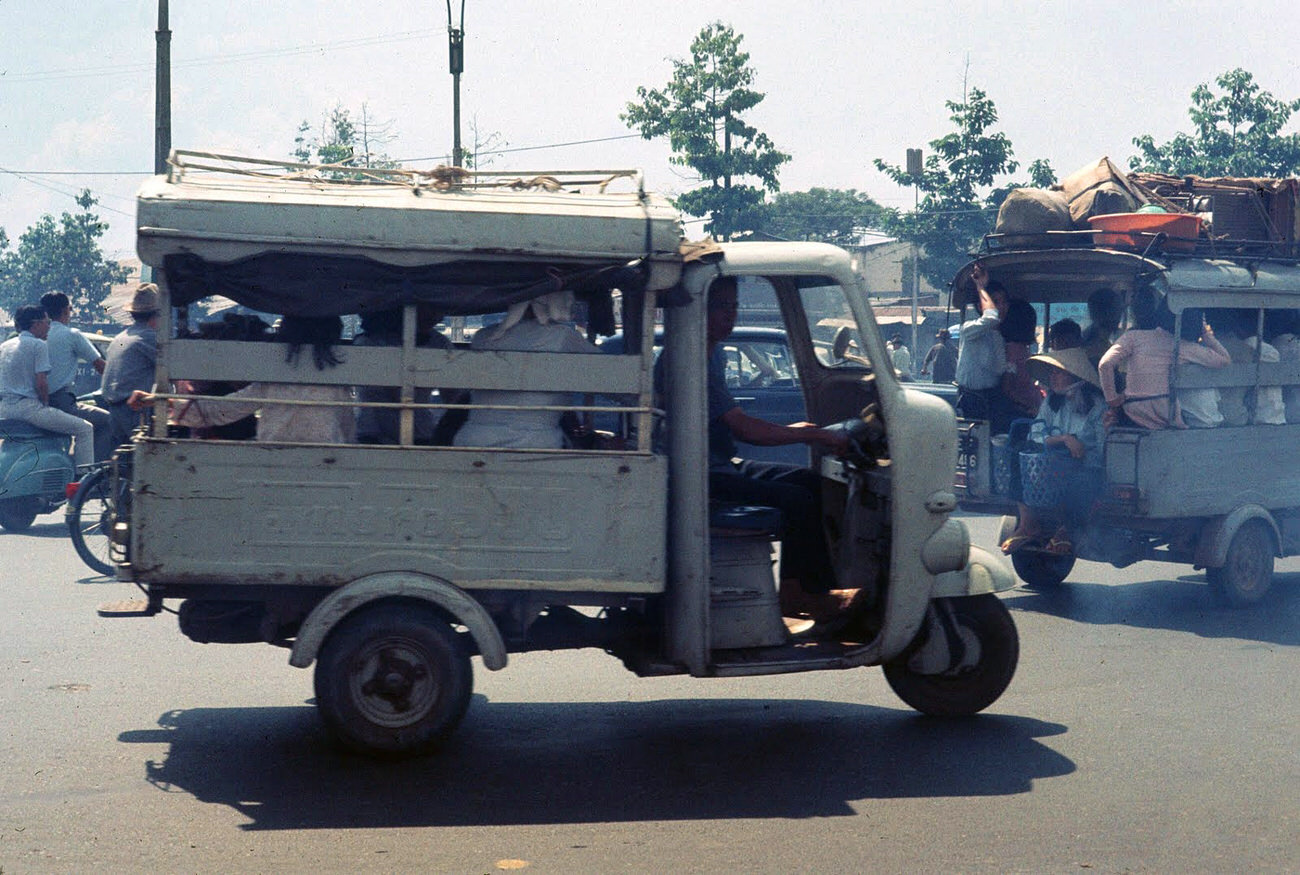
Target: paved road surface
(1146, 731)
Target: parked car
(762, 378)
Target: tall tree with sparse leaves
(60, 255)
(1238, 133)
(343, 140)
(959, 204)
(701, 112)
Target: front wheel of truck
(393, 680)
(984, 649)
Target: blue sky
(846, 82)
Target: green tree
(829, 215)
(700, 112)
(341, 140)
(60, 255)
(959, 204)
(1237, 133)
(1041, 174)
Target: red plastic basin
(1134, 230)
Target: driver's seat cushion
(744, 519)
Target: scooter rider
(25, 388)
(130, 362)
(69, 347)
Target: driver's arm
(761, 433)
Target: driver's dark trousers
(796, 492)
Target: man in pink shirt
(1149, 350)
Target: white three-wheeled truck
(390, 566)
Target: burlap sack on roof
(1098, 189)
(1028, 211)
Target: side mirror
(840, 346)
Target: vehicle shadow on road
(513, 763)
(49, 526)
(1182, 605)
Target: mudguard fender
(1212, 544)
(399, 584)
(984, 573)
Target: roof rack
(1231, 248)
(190, 166)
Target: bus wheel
(1247, 571)
(393, 680)
(986, 652)
(1040, 569)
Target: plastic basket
(1046, 476)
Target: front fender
(984, 573)
(398, 584)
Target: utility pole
(456, 61)
(162, 107)
(914, 169)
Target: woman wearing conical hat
(1073, 412)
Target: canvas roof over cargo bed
(291, 238)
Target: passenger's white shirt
(291, 423)
(982, 356)
(1269, 407)
(521, 428)
(1200, 408)
(1288, 350)
(68, 347)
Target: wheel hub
(393, 682)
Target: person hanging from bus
(982, 357)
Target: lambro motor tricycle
(390, 565)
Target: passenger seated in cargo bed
(1148, 348)
(331, 423)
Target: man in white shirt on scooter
(25, 387)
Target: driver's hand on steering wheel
(835, 441)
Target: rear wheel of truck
(18, 514)
(1247, 571)
(985, 657)
(393, 680)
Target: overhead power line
(212, 60)
(59, 190)
(530, 148)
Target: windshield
(831, 323)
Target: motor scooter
(35, 470)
